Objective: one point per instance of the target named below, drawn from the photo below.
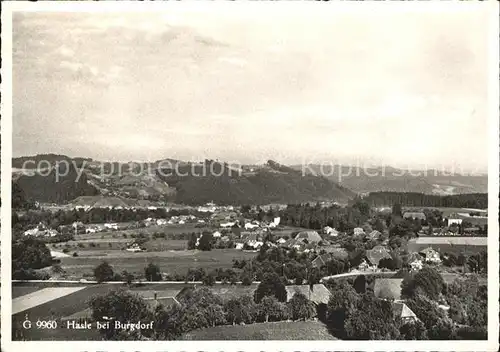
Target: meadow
(298, 330)
(170, 262)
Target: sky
(400, 89)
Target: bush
(246, 278)
(270, 309)
(75, 254)
(65, 250)
(209, 280)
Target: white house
(239, 245)
(111, 226)
(216, 234)
(358, 231)
(161, 222)
(454, 221)
(250, 226)
(227, 224)
(281, 240)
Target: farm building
(374, 235)
(358, 231)
(430, 255)
(376, 254)
(321, 260)
(401, 311)
(330, 231)
(318, 294)
(310, 236)
(414, 215)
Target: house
(239, 245)
(317, 293)
(321, 260)
(389, 289)
(454, 221)
(134, 247)
(374, 235)
(330, 231)
(161, 222)
(250, 226)
(227, 224)
(414, 260)
(111, 226)
(216, 234)
(430, 255)
(414, 215)
(376, 254)
(358, 231)
(281, 240)
(310, 236)
(401, 311)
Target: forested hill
(472, 200)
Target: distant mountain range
(390, 179)
(193, 183)
(172, 180)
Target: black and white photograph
(251, 172)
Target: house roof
(401, 310)
(318, 294)
(428, 250)
(376, 254)
(374, 234)
(414, 215)
(387, 288)
(164, 301)
(310, 236)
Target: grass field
(449, 244)
(306, 330)
(169, 261)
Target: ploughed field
(298, 330)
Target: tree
(396, 209)
(360, 284)
(343, 301)
(206, 241)
(30, 253)
(413, 331)
(300, 307)
(271, 285)
(427, 281)
(128, 277)
(119, 305)
(192, 241)
(103, 272)
(372, 320)
(209, 280)
(152, 272)
(426, 310)
(246, 278)
(270, 309)
(240, 310)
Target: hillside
(34, 186)
(389, 179)
(180, 182)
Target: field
(304, 330)
(449, 244)
(169, 261)
(46, 295)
